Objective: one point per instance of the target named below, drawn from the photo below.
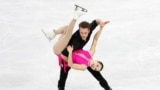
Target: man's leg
(63, 78)
(100, 78)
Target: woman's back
(81, 57)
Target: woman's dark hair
(101, 65)
(84, 24)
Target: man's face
(84, 33)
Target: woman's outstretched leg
(60, 30)
(51, 34)
(64, 39)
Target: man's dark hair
(101, 65)
(84, 24)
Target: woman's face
(95, 65)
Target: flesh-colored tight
(66, 34)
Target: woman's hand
(70, 48)
(102, 24)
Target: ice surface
(129, 46)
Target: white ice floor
(129, 46)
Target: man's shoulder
(76, 34)
(77, 31)
(93, 23)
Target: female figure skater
(77, 59)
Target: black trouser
(97, 75)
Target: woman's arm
(96, 37)
(70, 62)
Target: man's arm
(96, 37)
(94, 24)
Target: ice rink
(129, 46)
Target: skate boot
(49, 34)
(79, 11)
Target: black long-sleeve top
(76, 40)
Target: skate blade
(45, 35)
(82, 8)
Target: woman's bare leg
(64, 39)
(60, 30)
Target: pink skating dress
(78, 56)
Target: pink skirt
(63, 64)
